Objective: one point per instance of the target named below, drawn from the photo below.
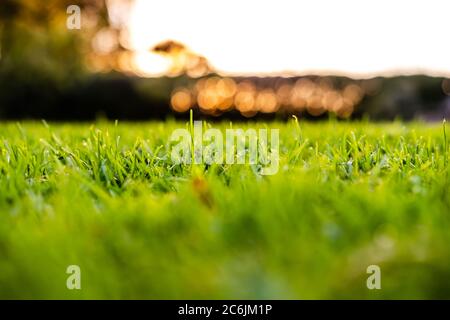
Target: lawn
(107, 198)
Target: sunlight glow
(348, 37)
(150, 64)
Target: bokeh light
(214, 95)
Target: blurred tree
(39, 55)
(183, 60)
(35, 41)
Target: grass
(107, 198)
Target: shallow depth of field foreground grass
(107, 198)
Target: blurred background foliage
(48, 71)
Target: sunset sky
(347, 37)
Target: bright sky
(351, 37)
